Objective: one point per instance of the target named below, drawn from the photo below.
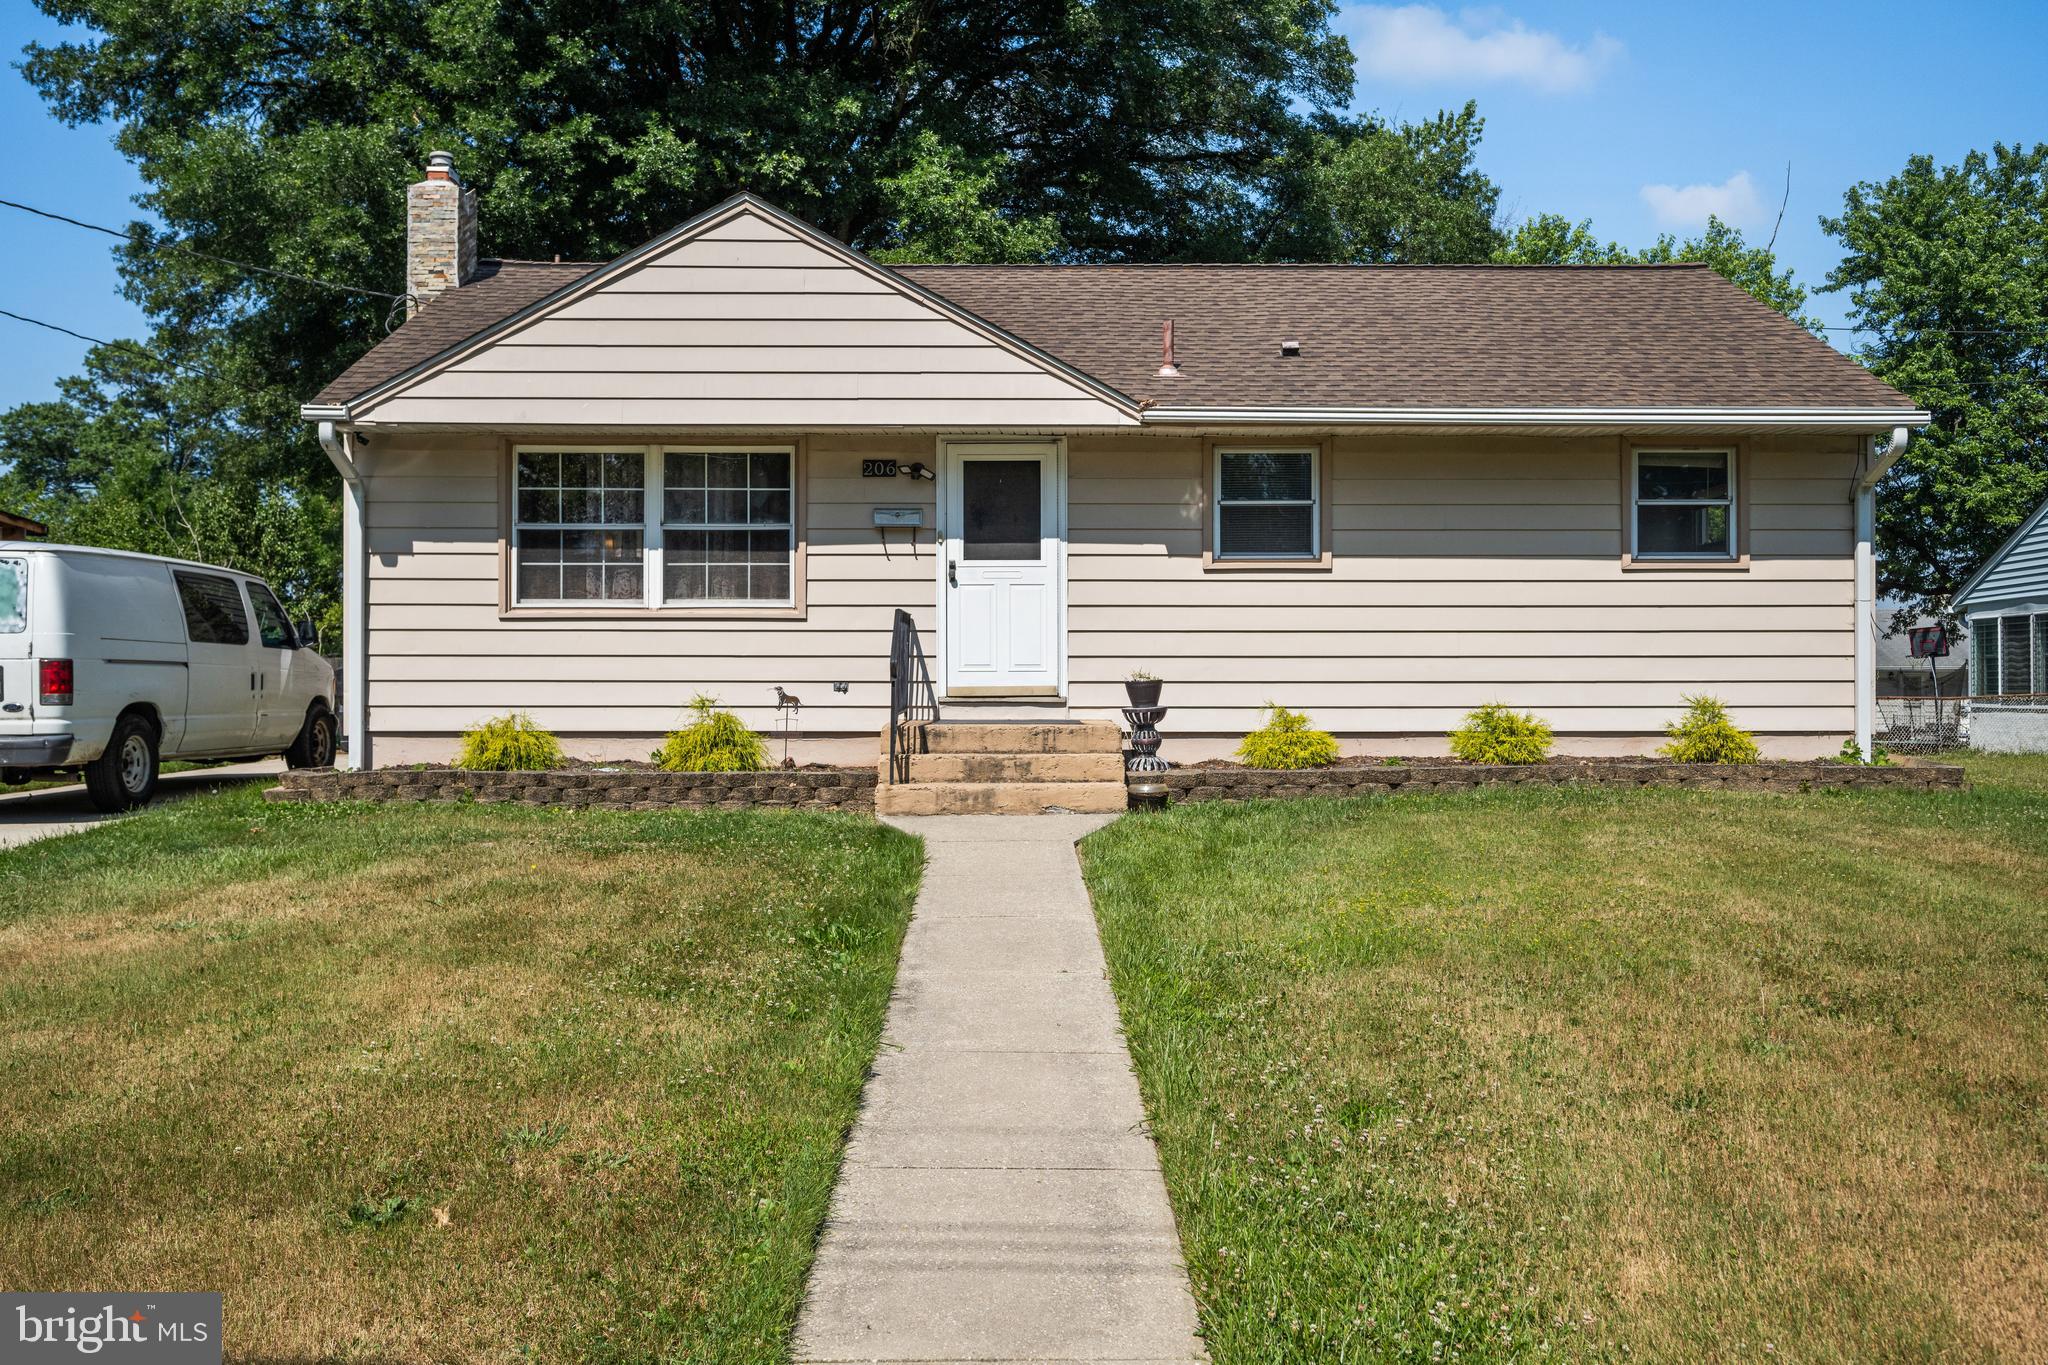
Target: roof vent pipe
(1290, 347)
(1166, 365)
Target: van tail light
(56, 682)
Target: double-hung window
(685, 527)
(1683, 504)
(580, 527)
(727, 527)
(1267, 505)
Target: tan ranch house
(1382, 494)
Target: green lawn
(442, 1083)
(1657, 1075)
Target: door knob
(952, 579)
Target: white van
(111, 662)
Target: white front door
(1002, 570)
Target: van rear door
(17, 669)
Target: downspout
(355, 593)
(1864, 494)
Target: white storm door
(1002, 571)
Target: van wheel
(314, 748)
(125, 775)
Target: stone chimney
(440, 232)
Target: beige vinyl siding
(1466, 570)
(442, 658)
(743, 325)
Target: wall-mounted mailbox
(899, 516)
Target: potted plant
(1142, 688)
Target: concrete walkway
(28, 816)
(1001, 1200)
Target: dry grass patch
(443, 1084)
(1651, 1075)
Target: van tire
(314, 748)
(124, 776)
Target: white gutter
(1864, 418)
(1864, 495)
(355, 595)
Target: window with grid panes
(579, 527)
(727, 527)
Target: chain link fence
(2012, 723)
(1913, 724)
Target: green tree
(1946, 269)
(1552, 239)
(1367, 191)
(283, 132)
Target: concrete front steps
(1006, 768)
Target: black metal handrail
(911, 697)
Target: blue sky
(1640, 117)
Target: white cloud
(1734, 201)
(1420, 43)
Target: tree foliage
(1552, 239)
(1947, 269)
(283, 132)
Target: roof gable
(742, 317)
(2017, 571)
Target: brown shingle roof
(497, 291)
(1371, 336)
(1418, 336)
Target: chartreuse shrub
(715, 742)
(509, 744)
(1494, 734)
(1285, 741)
(1706, 735)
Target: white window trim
(1635, 506)
(653, 484)
(1314, 502)
(657, 541)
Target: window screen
(1685, 505)
(13, 596)
(1000, 509)
(2014, 656)
(213, 609)
(728, 528)
(580, 518)
(1266, 504)
(1984, 656)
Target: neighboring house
(1382, 494)
(16, 527)
(2005, 606)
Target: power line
(1948, 331)
(131, 345)
(203, 255)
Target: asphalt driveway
(32, 815)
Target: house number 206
(878, 469)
